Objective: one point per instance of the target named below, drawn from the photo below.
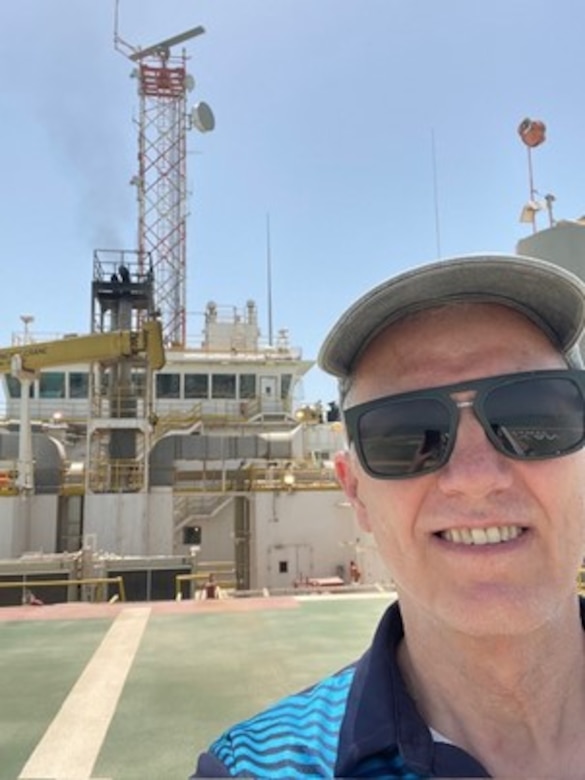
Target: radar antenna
(163, 48)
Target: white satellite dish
(202, 117)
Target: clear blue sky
(325, 112)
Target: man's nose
(475, 466)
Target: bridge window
(223, 386)
(138, 380)
(13, 387)
(285, 383)
(247, 385)
(52, 384)
(168, 386)
(196, 385)
(78, 384)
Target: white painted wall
(160, 521)
(27, 524)
(217, 536)
(130, 523)
(314, 532)
(311, 533)
(13, 527)
(118, 522)
(43, 524)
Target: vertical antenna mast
(436, 193)
(161, 181)
(269, 278)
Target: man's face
(502, 587)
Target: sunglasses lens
(403, 438)
(536, 418)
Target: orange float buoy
(532, 132)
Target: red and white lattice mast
(161, 181)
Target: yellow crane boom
(100, 347)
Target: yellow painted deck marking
(71, 744)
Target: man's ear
(349, 479)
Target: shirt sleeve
(208, 766)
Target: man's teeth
(492, 535)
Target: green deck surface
(193, 676)
(39, 663)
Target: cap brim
(550, 296)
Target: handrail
(28, 584)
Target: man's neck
(503, 699)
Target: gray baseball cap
(552, 297)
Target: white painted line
(71, 744)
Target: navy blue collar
(381, 716)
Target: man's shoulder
(300, 733)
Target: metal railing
(99, 582)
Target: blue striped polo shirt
(359, 722)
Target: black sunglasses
(527, 416)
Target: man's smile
(494, 534)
